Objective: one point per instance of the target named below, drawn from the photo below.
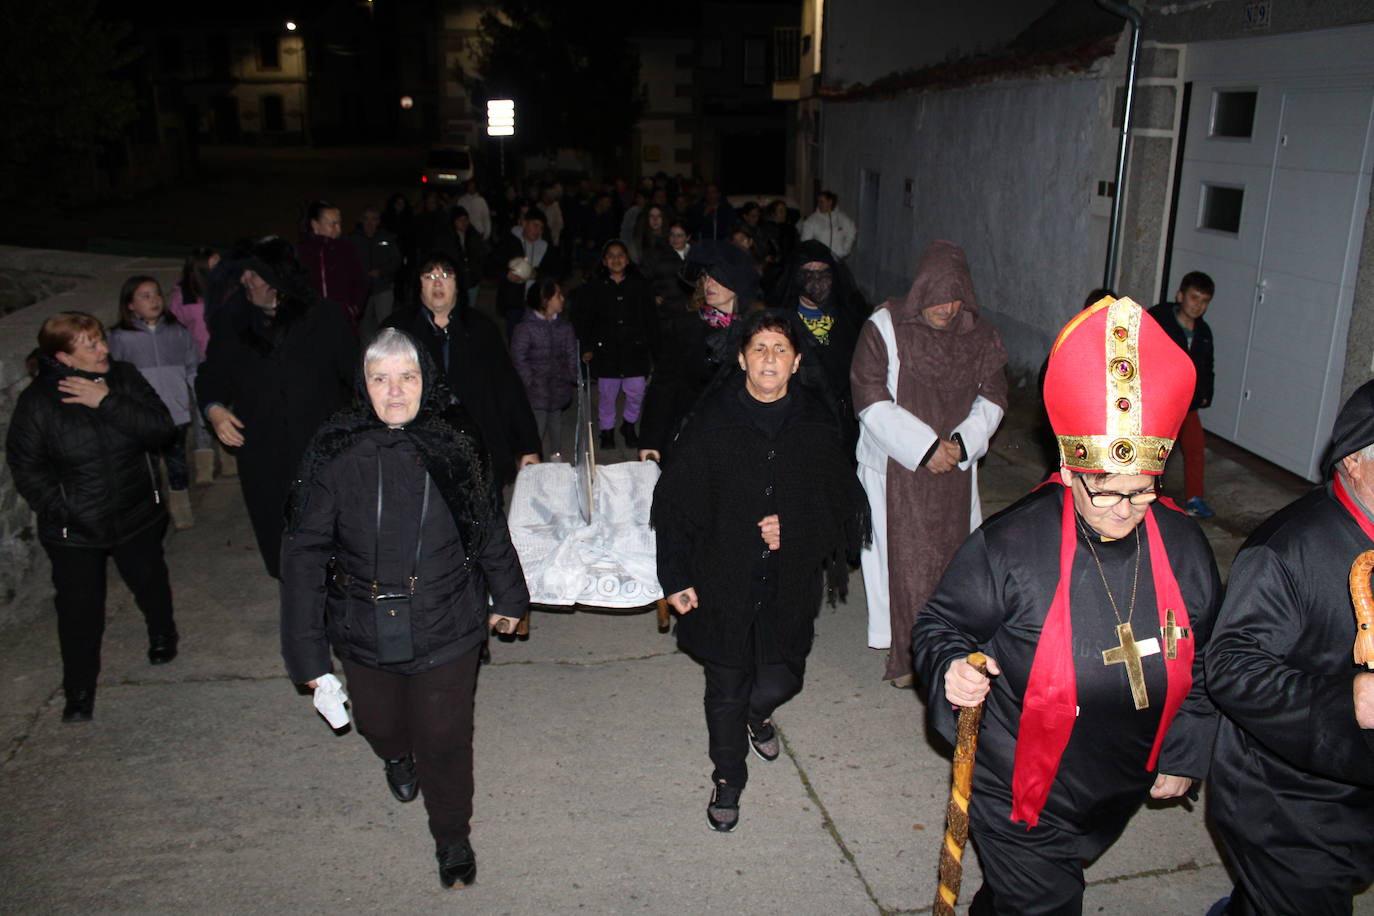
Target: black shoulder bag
(394, 643)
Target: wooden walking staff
(1363, 600)
(956, 815)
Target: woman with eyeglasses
(470, 352)
(1092, 602)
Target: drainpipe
(1125, 11)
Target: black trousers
(78, 574)
(739, 697)
(1036, 872)
(430, 715)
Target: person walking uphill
(758, 499)
(1296, 741)
(699, 344)
(617, 327)
(280, 361)
(1093, 604)
(333, 265)
(929, 388)
(79, 450)
(394, 539)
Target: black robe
(282, 377)
(478, 369)
(1293, 777)
(994, 597)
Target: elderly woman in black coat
(394, 538)
(78, 450)
(758, 500)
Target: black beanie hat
(1354, 428)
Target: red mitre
(1117, 389)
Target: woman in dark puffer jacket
(78, 449)
(394, 536)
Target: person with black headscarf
(467, 348)
(394, 540)
(1292, 793)
(280, 360)
(697, 343)
(820, 290)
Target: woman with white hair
(394, 535)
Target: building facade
(1249, 158)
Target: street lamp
(290, 25)
(501, 123)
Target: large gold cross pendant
(1172, 634)
(1129, 653)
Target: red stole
(1050, 705)
(1347, 501)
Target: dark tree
(60, 89)
(572, 73)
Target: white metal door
(1284, 265)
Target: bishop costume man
(1292, 791)
(1092, 600)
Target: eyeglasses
(1106, 499)
(444, 275)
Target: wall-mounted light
(290, 25)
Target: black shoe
(402, 778)
(608, 438)
(162, 649)
(723, 811)
(764, 740)
(627, 429)
(80, 705)
(457, 864)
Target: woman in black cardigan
(759, 499)
(394, 538)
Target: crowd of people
(375, 409)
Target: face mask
(816, 284)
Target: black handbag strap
(419, 534)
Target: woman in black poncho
(758, 500)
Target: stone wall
(53, 281)
(1008, 170)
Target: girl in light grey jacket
(163, 350)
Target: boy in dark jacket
(1182, 321)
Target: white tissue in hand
(330, 699)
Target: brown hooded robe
(942, 371)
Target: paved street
(211, 785)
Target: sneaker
(764, 741)
(457, 864)
(1198, 508)
(723, 811)
(402, 779)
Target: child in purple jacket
(544, 350)
(163, 350)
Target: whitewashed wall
(1007, 170)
